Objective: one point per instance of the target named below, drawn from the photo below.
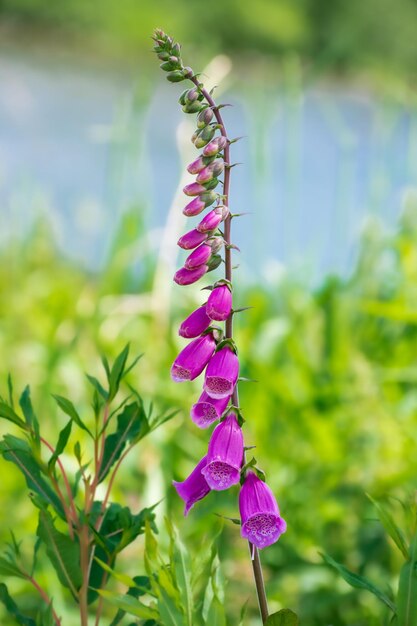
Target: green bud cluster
(169, 53)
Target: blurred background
(92, 149)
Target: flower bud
(207, 410)
(192, 360)
(188, 72)
(198, 257)
(204, 136)
(175, 77)
(193, 94)
(212, 184)
(217, 145)
(168, 66)
(192, 239)
(183, 97)
(211, 171)
(195, 324)
(194, 189)
(211, 220)
(163, 56)
(184, 276)
(214, 262)
(219, 303)
(176, 49)
(262, 524)
(194, 207)
(192, 107)
(196, 166)
(216, 243)
(225, 455)
(193, 488)
(205, 117)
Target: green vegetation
(376, 35)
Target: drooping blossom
(219, 303)
(193, 358)
(225, 454)
(208, 410)
(262, 524)
(195, 324)
(184, 276)
(222, 373)
(193, 488)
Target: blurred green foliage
(373, 35)
(333, 416)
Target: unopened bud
(176, 49)
(188, 72)
(212, 170)
(196, 166)
(194, 207)
(192, 94)
(214, 262)
(212, 184)
(192, 107)
(205, 136)
(168, 66)
(194, 189)
(208, 198)
(205, 118)
(217, 145)
(175, 77)
(164, 56)
(216, 243)
(211, 220)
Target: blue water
(81, 145)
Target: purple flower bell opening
(219, 303)
(207, 410)
(192, 239)
(225, 455)
(193, 359)
(198, 257)
(222, 374)
(262, 524)
(193, 488)
(195, 324)
(184, 276)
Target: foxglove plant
(212, 348)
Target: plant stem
(45, 598)
(254, 552)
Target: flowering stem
(253, 550)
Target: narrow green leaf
(45, 616)
(181, 565)
(285, 617)
(122, 578)
(7, 568)
(170, 613)
(407, 590)
(390, 526)
(142, 587)
(70, 410)
(98, 387)
(13, 609)
(27, 408)
(10, 390)
(128, 604)
(61, 444)
(7, 412)
(62, 551)
(215, 614)
(117, 372)
(19, 452)
(359, 582)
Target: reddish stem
(45, 598)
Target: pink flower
(225, 455)
(198, 257)
(194, 207)
(193, 359)
(212, 219)
(219, 303)
(222, 374)
(208, 410)
(194, 487)
(262, 524)
(194, 189)
(192, 239)
(195, 324)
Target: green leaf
(359, 582)
(19, 452)
(7, 412)
(181, 565)
(132, 425)
(27, 408)
(390, 526)
(7, 568)
(142, 587)
(13, 609)
(62, 551)
(61, 444)
(122, 578)
(117, 372)
(128, 604)
(70, 410)
(170, 614)
(98, 387)
(45, 616)
(285, 617)
(407, 590)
